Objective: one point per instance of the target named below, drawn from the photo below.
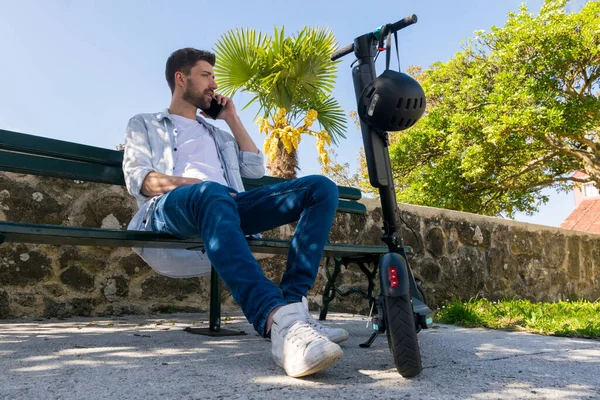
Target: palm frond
(331, 117)
(238, 59)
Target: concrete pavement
(137, 357)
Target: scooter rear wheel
(402, 335)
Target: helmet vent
(421, 105)
(370, 93)
(400, 123)
(407, 104)
(399, 105)
(408, 123)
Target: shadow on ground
(136, 357)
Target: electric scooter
(400, 310)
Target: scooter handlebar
(403, 23)
(396, 26)
(342, 52)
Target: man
(186, 177)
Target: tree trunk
(285, 164)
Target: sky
(77, 70)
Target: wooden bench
(34, 155)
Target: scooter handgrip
(403, 23)
(342, 52)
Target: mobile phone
(214, 110)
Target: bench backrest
(35, 155)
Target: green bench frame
(34, 155)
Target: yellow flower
(310, 118)
(264, 126)
(267, 144)
(280, 119)
(326, 137)
(280, 130)
(272, 150)
(296, 142)
(321, 150)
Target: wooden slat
(42, 146)
(58, 168)
(351, 207)
(348, 193)
(63, 235)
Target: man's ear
(180, 79)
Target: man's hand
(156, 183)
(229, 115)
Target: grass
(566, 318)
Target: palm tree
(288, 78)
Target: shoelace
(302, 332)
(316, 325)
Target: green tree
(516, 111)
(289, 77)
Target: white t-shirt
(195, 152)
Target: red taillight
(393, 275)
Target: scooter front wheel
(402, 335)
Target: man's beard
(199, 100)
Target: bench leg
(214, 319)
(329, 292)
(370, 274)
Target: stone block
(434, 241)
(115, 288)
(4, 304)
(77, 278)
(28, 267)
(133, 265)
(162, 287)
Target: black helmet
(392, 102)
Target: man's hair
(183, 60)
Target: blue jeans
(209, 210)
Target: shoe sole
(335, 340)
(339, 340)
(320, 366)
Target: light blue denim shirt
(149, 141)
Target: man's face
(200, 85)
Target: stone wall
(458, 254)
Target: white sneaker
(336, 335)
(297, 347)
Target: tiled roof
(580, 175)
(586, 217)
